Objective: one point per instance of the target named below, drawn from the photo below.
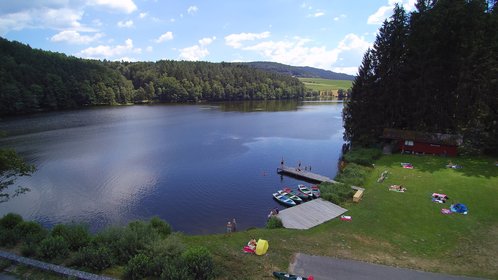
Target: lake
(195, 166)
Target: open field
(397, 229)
(318, 84)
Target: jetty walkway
(308, 175)
(309, 214)
(300, 173)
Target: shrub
(92, 257)
(10, 221)
(274, 222)
(199, 263)
(363, 156)
(127, 242)
(164, 254)
(76, 236)
(8, 237)
(353, 175)
(29, 249)
(27, 229)
(134, 239)
(53, 247)
(175, 269)
(336, 193)
(4, 264)
(163, 228)
(138, 267)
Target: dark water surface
(195, 166)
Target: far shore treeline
(33, 80)
(432, 70)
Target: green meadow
(397, 229)
(318, 84)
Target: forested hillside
(299, 71)
(433, 70)
(33, 80)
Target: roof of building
(425, 137)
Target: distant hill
(299, 71)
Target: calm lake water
(195, 166)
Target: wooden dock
(309, 176)
(309, 214)
(300, 173)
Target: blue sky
(328, 34)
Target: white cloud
(196, 52)
(235, 40)
(51, 18)
(192, 10)
(149, 49)
(206, 41)
(346, 70)
(353, 42)
(54, 14)
(109, 52)
(142, 15)
(164, 37)
(74, 37)
(125, 24)
(343, 16)
(317, 14)
(126, 6)
(305, 5)
(385, 11)
(297, 51)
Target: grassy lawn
(317, 84)
(397, 229)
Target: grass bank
(397, 229)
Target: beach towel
(407, 165)
(346, 218)
(445, 211)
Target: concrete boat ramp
(309, 214)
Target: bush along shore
(141, 249)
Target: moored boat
(283, 199)
(315, 190)
(305, 190)
(294, 197)
(301, 195)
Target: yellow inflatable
(261, 247)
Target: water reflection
(193, 165)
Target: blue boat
(290, 195)
(283, 199)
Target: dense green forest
(433, 70)
(34, 80)
(299, 71)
